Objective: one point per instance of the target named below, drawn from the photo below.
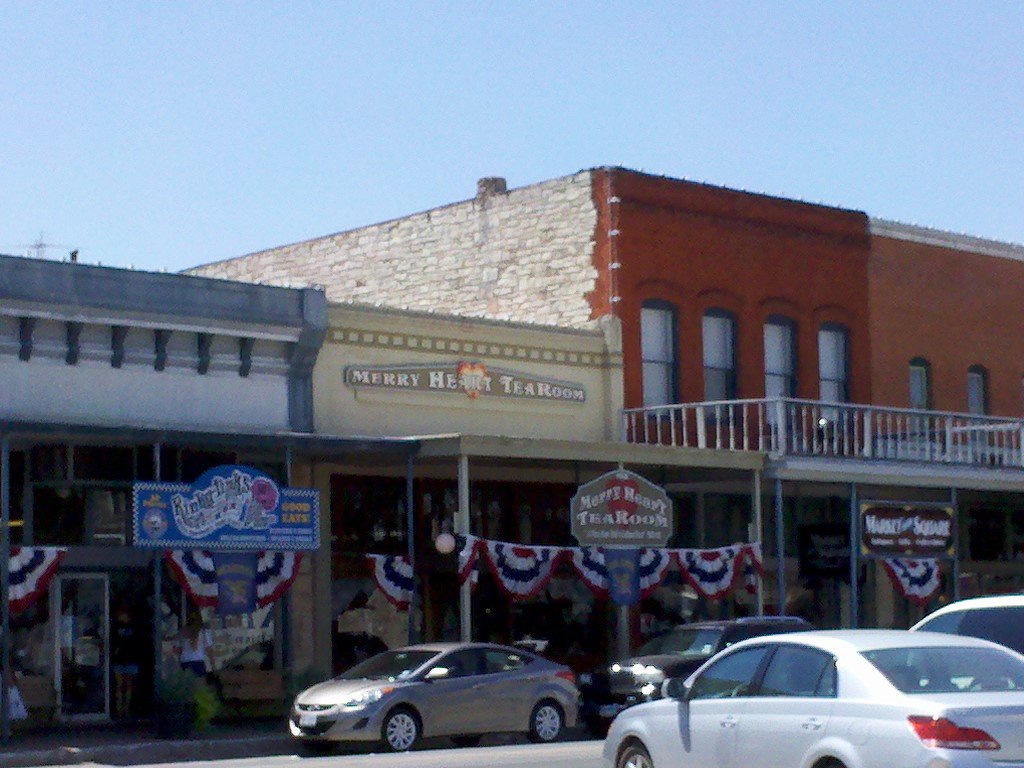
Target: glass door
(82, 614)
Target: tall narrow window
(832, 364)
(920, 384)
(779, 357)
(977, 389)
(658, 346)
(719, 355)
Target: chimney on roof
(490, 186)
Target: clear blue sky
(169, 134)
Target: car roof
(842, 640)
(740, 622)
(977, 603)
(441, 647)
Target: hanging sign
(229, 508)
(909, 530)
(621, 509)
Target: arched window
(977, 389)
(920, 384)
(658, 352)
(779, 357)
(719, 335)
(833, 363)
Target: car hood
(333, 691)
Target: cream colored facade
(368, 339)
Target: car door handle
(811, 724)
(728, 722)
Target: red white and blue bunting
(393, 574)
(589, 564)
(917, 580)
(653, 565)
(523, 571)
(712, 572)
(469, 558)
(30, 572)
(275, 572)
(196, 572)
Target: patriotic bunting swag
(589, 564)
(469, 555)
(712, 572)
(31, 570)
(522, 571)
(393, 574)
(917, 580)
(196, 571)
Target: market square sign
(473, 379)
(908, 530)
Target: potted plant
(176, 693)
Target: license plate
(307, 720)
(609, 710)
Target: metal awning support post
(410, 535)
(780, 549)
(5, 586)
(854, 560)
(757, 534)
(462, 526)
(955, 570)
(158, 616)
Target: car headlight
(366, 698)
(647, 673)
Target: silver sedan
(461, 690)
(834, 699)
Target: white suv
(999, 618)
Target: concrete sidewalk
(137, 743)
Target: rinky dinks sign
(228, 508)
(471, 378)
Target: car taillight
(567, 674)
(944, 733)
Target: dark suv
(609, 689)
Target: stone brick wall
(522, 255)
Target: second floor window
(832, 364)
(779, 358)
(658, 345)
(920, 384)
(977, 390)
(719, 332)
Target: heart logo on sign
(472, 378)
(622, 503)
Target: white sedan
(834, 699)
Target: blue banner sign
(228, 509)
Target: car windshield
(390, 665)
(685, 641)
(949, 669)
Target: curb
(150, 752)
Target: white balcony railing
(786, 427)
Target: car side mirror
(675, 688)
(437, 673)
